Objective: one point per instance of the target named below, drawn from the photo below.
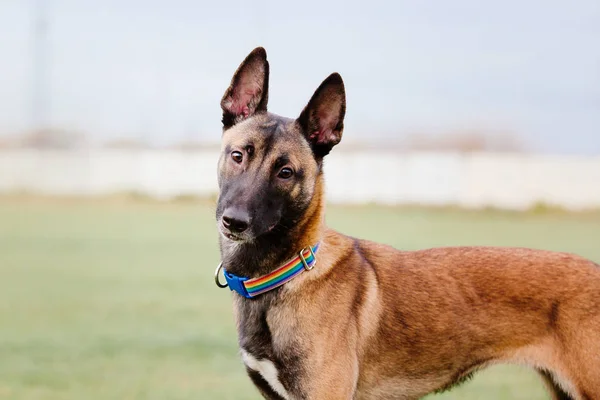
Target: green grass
(117, 301)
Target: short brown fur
(373, 322)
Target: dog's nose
(235, 220)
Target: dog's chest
(268, 371)
(277, 361)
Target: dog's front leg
(317, 389)
(334, 379)
(334, 392)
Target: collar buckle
(308, 267)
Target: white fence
(467, 180)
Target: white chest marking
(268, 371)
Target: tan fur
(370, 322)
(455, 308)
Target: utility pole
(40, 96)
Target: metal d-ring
(219, 284)
(306, 266)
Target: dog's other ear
(323, 118)
(248, 92)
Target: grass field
(116, 300)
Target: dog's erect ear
(323, 118)
(248, 92)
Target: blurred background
(467, 123)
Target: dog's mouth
(234, 237)
(231, 236)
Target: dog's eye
(285, 173)
(237, 156)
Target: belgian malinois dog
(321, 315)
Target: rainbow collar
(249, 288)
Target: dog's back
(454, 310)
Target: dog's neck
(271, 250)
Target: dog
(321, 315)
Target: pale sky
(157, 69)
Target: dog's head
(269, 165)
